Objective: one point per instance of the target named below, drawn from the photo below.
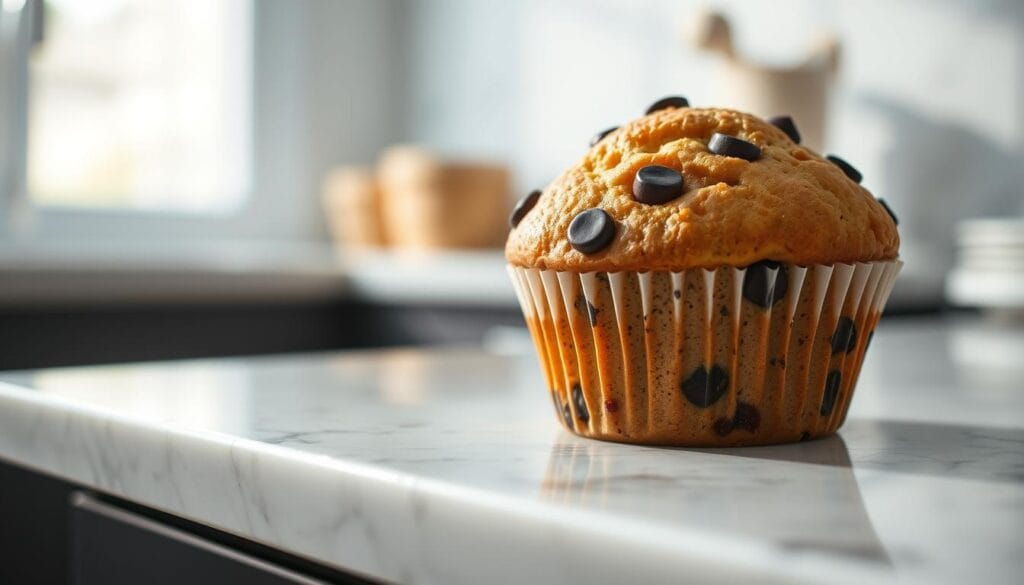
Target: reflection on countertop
(818, 475)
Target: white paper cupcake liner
(687, 358)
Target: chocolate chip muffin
(700, 278)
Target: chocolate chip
(828, 399)
(747, 417)
(722, 426)
(703, 388)
(567, 415)
(600, 135)
(804, 436)
(888, 210)
(591, 231)
(845, 337)
(523, 206)
(786, 124)
(592, 312)
(611, 405)
(672, 101)
(755, 283)
(580, 302)
(581, 405)
(846, 167)
(726, 145)
(677, 294)
(655, 184)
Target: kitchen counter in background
(148, 302)
(62, 274)
(143, 273)
(446, 466)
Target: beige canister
(352, 205)
(432, 203)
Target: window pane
(143, 105)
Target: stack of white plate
(989, 272)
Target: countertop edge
(388, 525)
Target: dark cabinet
(54, 531)
(113, 546)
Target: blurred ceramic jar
(352, 204)
(432, 203)
(799, 91)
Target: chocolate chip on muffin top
(657, 184)
(600, 135)
(726, 145)
(591, 231)
(846, 167)
(787, 125)
(523, 206)
(672, 101)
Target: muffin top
(690, 187)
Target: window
(142, 105)
(172, 124)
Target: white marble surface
(448, 467)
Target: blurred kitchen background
(185, 178)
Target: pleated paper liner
(731, 356)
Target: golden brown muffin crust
(791, 205)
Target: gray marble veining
(447, 466)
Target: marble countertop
(447, 466)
